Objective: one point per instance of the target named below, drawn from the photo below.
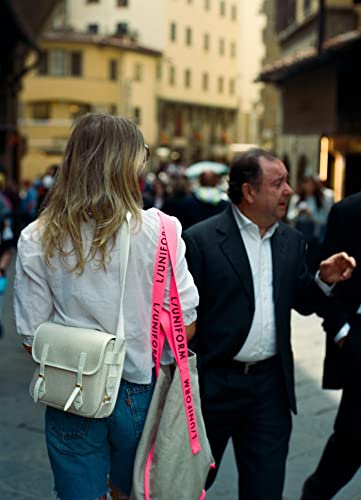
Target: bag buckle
(247, 366)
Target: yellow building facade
(82, 73)
(198, 74)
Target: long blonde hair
(96, 184)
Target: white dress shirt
(261, 340)
(91, 300)
(327, 290)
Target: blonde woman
(68, 271)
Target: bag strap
(159, 282)
(172, 321)
(124, 243)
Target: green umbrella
(197, 169)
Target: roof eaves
(306, 59)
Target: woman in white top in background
(307, 212)
(68, 271)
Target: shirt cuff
(342, 333)
(189, 316)
(327, 289)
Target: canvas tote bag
(79, 369)
(173, 456)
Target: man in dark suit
(342, 455)
(250, 271)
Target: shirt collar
(245, 224)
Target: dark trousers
(341, 457)
(252, 410)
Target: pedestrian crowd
(245, 257)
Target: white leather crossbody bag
(79, 369)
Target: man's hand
(341, 342)
(338, 267)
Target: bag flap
(66, 343)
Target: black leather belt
(253, 367)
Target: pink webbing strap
(176, 335)
(172, 328)
(157, 335)
(159, 282)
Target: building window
(40, 111)
(233, 49)
(61, 63)
(77, 110)
(206, 42)
(221, 46)
(173, 32)
(122, 29)
(122, 3)
(306, 6)
(220, 84)
(43, 67)
(57, 66)
(285, 14)
(207, 4)
(100, 108)
(76, 63)
(189, 36)
(138, 72)
(93, 28)
(178, 128)
(222, 8)
(232, 86)
(234, 12)
(113, 69)
(205, 81)
(171, 75)
(187, 78)
(137, 115)
(158, 71)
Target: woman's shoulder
(150, 217)
(151, 220)
(150, 225)
(30, 235)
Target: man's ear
(248, 192)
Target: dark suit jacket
(218, 261)
(343, 234)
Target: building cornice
(122, 43)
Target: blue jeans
(85, 452)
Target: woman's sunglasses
(147, 152)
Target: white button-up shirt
(92, 299)
(261, 340)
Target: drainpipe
(321, 25)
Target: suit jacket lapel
(232, 246)
(279, 248)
